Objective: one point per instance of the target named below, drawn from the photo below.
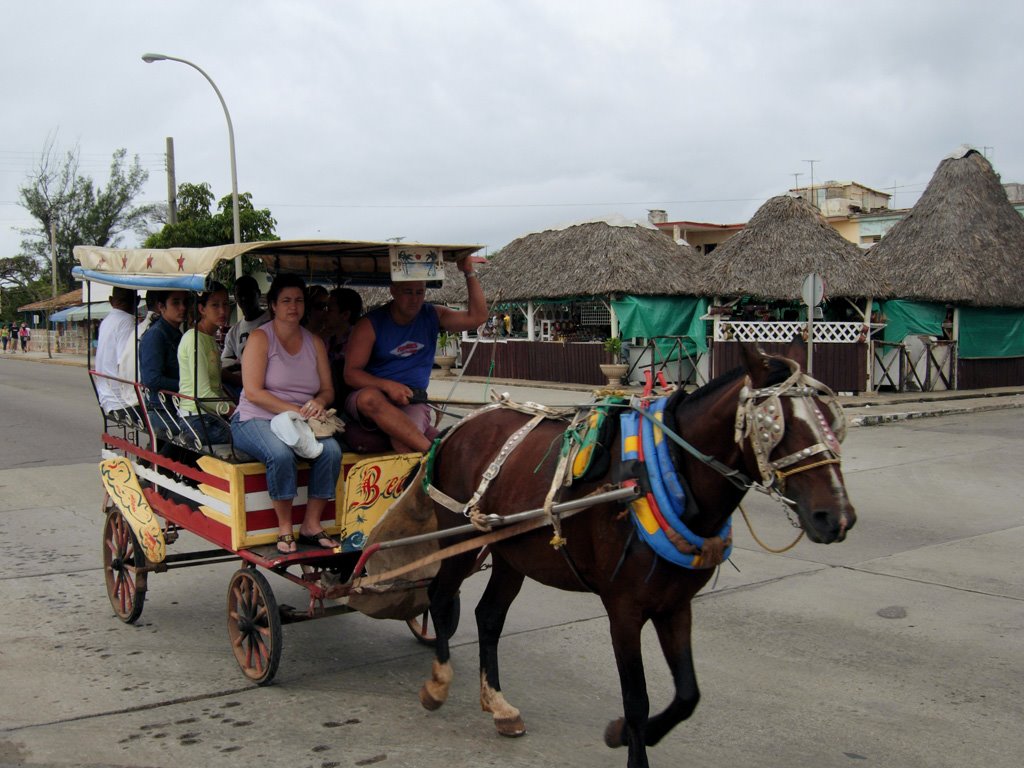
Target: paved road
(900, 647)
(53, 412)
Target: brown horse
(601, 551)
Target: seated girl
(158, 354)
(199, 370)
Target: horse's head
(790, 426)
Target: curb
(874, 420)
(855, 417)
(51, 361)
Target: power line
(514, 205)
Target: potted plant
(444, 357)
(615, 367)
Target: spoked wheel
(422, 627)
(122, 555)
(254, 625)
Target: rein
(734, 476)
(762, 423)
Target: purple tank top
(293, 378)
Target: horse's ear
(755, 361)
(797, 351)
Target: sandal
(288, 542)
(315, 539)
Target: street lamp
(149, 58)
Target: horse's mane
(778, 371)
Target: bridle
(759, 419)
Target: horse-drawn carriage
(215, 491)
(628, 497)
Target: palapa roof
(785, 241)
(69, 299)
(595, 258)
(963, 243)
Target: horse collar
(658, 512)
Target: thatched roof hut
(70, 299)
(786, 240)
(963, 243)
(595, 258)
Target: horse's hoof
(613, 733)
(511, 726)
(429, 702)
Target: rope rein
(764, 546)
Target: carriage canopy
(326, 261)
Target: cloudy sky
(482, 120)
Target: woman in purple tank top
(285, 368)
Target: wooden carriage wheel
(122, 555)
(422, 627)
(254, 625)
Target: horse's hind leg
(502, 588)
(674, 636)
(442, 592)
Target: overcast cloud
(479, 121)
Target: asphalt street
(898, 647)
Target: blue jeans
(257, 439)
(209, 428)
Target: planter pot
(445, 363)
(614, 372)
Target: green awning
(911, 318)
(649, 316)
(991, 332)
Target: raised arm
(476, 313)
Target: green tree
(198, 226)
(56, 194)
(20, 283)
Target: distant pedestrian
(5, 335)
(24, 336)
(12, 330)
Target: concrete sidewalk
(862, 410)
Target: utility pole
(984, 151)
(172, 187)
(53, 258)
(796, 180)
(53, 281)
(814, 200)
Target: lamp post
(149, 58)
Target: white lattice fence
(751, 330)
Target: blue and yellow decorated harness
(658, 503)
(658, 512)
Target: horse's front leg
(674, 636)
(442, 592)
(632, 730)
(502, 588)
